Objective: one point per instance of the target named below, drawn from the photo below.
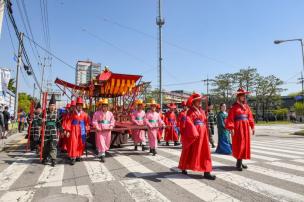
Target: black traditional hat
(38, 105)
(52, 100)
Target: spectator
(7, 117)
(1, 123)
(21, 120)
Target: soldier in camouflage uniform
(52, 124)
(35, 129)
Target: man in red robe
(171, 132)
(62, 138)
(77, 128)
(196, 154)
(181, 119)
(240, 122)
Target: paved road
(276, 173)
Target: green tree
(281, 114)
(246, 78)
(11, 85)
(299, 108)
(224, 87)
(24, 102)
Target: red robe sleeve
(87, 122)
(229, 123)
(250, 118)
(68, 123)
(191, 132)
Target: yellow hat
(139, 102)
(104, 101)
(152, 102)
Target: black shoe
(135, 148)
(239, 165)
(53, 163)
(78, 159)
(208, 176)
(158, 142)
(212, 145)
(102, 159)
(244, 166)
(150, 150)
(154, 152)
(143, 148)
(176, 143)
(184, 172)
(72, 162)
(44, 161)
(167, 143)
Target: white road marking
(275, 154)
(9, 175)
(20, 196)
(51, 176)
(266, 158)
(288, 166)
(98, 172)
(195, 187)
(278, 150)
(81, 190)
(133, 166)
(142, 191)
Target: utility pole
(160, 22)
(301, 80)
(19, 61)
(43, 66)
(207, 81)
(34, 90)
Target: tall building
(7, 98)
(85, 71)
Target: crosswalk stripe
(142, 191)
(81, 190)
(299, 160)
(199, 189)
(20, 196)
(277, 174)
(259, 187)
(266, 158)
(133, 166)
(12, 173)
(282, 146)
(275, 154)
(98, 172)
(51, 176)
(253, 185)
(297, 142)
(286, 165)
(277, 150)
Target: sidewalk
(11, 140)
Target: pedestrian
(104, 122)
(77, 128)
(224, 139)
(171, 131)
(240, 123)
(36, 123)
(161, 130)
(138, 117)
(211, 123)
(182, 119)
(7, 117)
(21, 120)
(52, 126)
(196, 154)
(154, 123)
(2, 124)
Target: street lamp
(301, 43)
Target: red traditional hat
(241, 91)
(68, 106)
(73, 103)
(158, 106)
(184, 103)
(194, 96)
(79, 100)
(172, 106)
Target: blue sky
(201, 38)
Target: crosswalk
(275, 173)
